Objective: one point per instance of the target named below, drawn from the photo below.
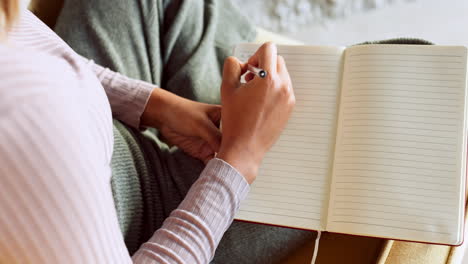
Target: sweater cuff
(223, 172)
(128, 97)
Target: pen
(257, 71)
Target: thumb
(211, 134)
(232, 71)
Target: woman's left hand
(190, 125)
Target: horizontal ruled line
(341, 176)
(405, 97)
(295, 151)
(396, 206)
(406, 72)
(296, 159)
(313, 112)
(397, 102)
(289, 196)
(256, 199)
(405, 115)
(289, 216)
(396, 146)
(310, 118)
(408, 84)
(295, 166)
(288, 190)
(406, 66)
(403, 78)
(387, 212)
(396, 120)
(317, 99)
(321, 83)
(392, 133)
(315, 143)
(310, 71)
(296, 172)
(399, 108)
(394, 166)
(403, 60)
(387, 198)
(405, 54)
(397, 227)
(403, 140)
(384, 191)
(419, 161)
(279, 208)
(410, 174)
(427, 129)
(311, 185)
(290, 66)
(315, 125)
(380, 218)
(307, 54)
(290, 177)
(396, 152)
(395, 185)
(403, 90)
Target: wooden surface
(337, 249)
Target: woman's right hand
(254, 114)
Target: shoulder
(29, 74)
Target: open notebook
(376, 145)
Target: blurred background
(347, 22)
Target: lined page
(294, 179)
(399, 169)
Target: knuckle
(284, 90)
(292, 100)
(230, 59)
(281, 59)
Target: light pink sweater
(56, 144)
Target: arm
(127, 97)
(187, 124)
(193, 231)
(55, 199)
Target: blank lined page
(293, 182)
(399, 169)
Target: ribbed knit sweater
(56, 145)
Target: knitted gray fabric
(180, 45)
(406, 41)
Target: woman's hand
(255, 113)
(190, 125)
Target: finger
(211, 134)
(232, 71)
(283, 71)
(280, 64)
(214, 113)
(265, 57)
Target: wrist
(241, 159)
(158, 104)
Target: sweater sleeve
(128, 97)
(193, 231)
